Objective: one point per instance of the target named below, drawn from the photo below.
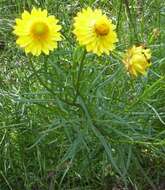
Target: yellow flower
(137, 60)
(37, 32)
(95, 31)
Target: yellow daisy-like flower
(37, 32)
(137, 60)
(95, 31)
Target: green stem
(39, 78)
(45, 86)
(130, 16)
(81, 64)
(119, 15)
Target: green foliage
(72, 120)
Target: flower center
(101, 28)
(39, 29)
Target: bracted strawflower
(95, 31)
(37, 32)
(137, 60)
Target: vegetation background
(97, 130)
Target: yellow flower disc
(37, 32)
(137, 60)
(95, 31)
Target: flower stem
(51, 91)
(81, 64)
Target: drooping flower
(137, 60)
(95, 31)
(37, 32)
